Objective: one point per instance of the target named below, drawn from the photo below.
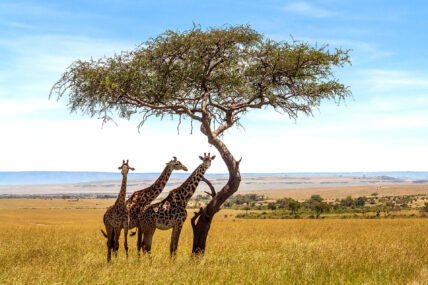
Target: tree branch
(213, 193)
(196, 215)
(177, 108)
(193, 219)
(204, 104)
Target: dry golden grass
(64, 246)
(55, 203)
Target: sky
(382, 127)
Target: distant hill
(64, 177)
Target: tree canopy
(215, 75)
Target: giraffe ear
(201, 157)
(132, 168)
(120, 167)
(212, 158)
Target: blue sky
(383, 127)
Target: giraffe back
(138, 202)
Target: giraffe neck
(160, 183)
(122, 193)
(188, 188)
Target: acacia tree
(294, 206)
(321, 207)
(211, 76)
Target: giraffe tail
(132, 233)
(104, 233)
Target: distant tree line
(316, 205)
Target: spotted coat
(142, 198)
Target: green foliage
(321, 207)
(283, 203)
(245, 199)
(272, 206)
(360, 201)
(348, 202)
(213, 74)
(288, 208)
(294, 206)
(317, 198)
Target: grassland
(58, 241)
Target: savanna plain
(58, 241)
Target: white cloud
(13, 24)
(363, 118)
(305, 9)
(17, 106)
(400, 101)
(290, 152)
(84, 145)
(53, 53)
(394, 80)
(15, 9)
(27, 9)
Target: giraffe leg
(175, 236)
(110, 242)
(125, 232)
(147, 241)
(139, 240)
(116, 240)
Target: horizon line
(251, 172)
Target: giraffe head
(207, 159)
(174, 164)
(125, 167)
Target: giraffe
(142, 198)
(171, 212)
(116, 217)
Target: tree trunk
(206, 214)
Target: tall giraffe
(116, 217)
(142, 198)
(171, 212)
